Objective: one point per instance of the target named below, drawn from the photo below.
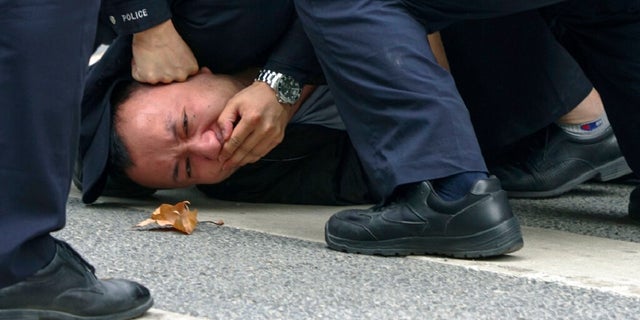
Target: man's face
(171, 131)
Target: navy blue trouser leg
(44, 50)
(401, 109)
(513, 75)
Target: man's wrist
(154, 34)
(286, 88)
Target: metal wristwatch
(287, 88)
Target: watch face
(288, 90)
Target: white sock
(587, 130)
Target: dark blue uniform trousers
(402, 111)
(44, 51)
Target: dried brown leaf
(178, 216)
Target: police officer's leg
(410, 127)
(604, 37)
(42, 65)
(44, 51)
(606, 43)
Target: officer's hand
(160, 55)
(260, 121)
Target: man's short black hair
(119, 158)
(118, 183)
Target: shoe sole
(30, 314)
(501, 239)
(612, 170)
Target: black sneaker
(634, 204)
(417, 221)
(68, 289)
(560, 163)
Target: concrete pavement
(580, 261)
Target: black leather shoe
(560, 163)
(68, 289)
(417, 221)
(634, 204)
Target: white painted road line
(155, 314)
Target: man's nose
(206, 145)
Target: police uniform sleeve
(133, 16)
(294, 56)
